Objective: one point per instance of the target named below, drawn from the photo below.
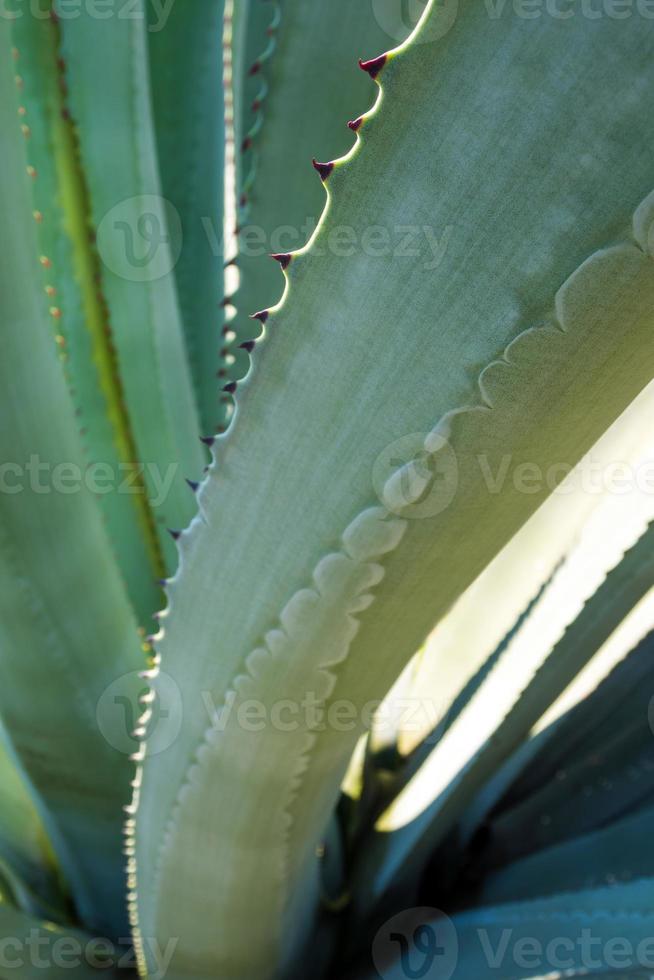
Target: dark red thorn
(233, 261)
(246, 144)
(324, 169)
(244, 200)
(374, 65)
(175, 535)
(256, 105)
(227, 301)
(262, 315)
(54, 16)
(193, 485)
(208, 440)
(230, 388)
(248, 346)
(284, 258)
(355, 124)
(255, 69)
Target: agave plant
(387, 495)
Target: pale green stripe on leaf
(109, 98)
(67, 632)
(69, 270)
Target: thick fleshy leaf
(186, 78)
(67, 631)
(69, 275)
(363, 409)
(109, 98)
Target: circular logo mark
(418, 944)
(119, 712)
(140, 239)
(398, 18)
(413, 482)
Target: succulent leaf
(311, 87)
(67, 631)
(69, 276)
(110, 102)
(343, 377)
(186, 77)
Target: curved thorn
(374, 65)
(194, 485)
(262, 315)
(284, 258)
(324, 169)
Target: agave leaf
(255, 43)
(590, 933)
(518, 706)
(606, 769)
(67, 631)
(186, 77)
(24, 845)
(488, 612)
(612, 522)
(300, 116)
(365, 350)
(109, 98)
(69, 276)
(34, 948)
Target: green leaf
(186, 78)
(70, 269)
(32, 948)
(109, 99)
(502, 716)
(489, 610)
(309, 86)
(596, 932)
(332, 581)
(24, 845)
(67, 632)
